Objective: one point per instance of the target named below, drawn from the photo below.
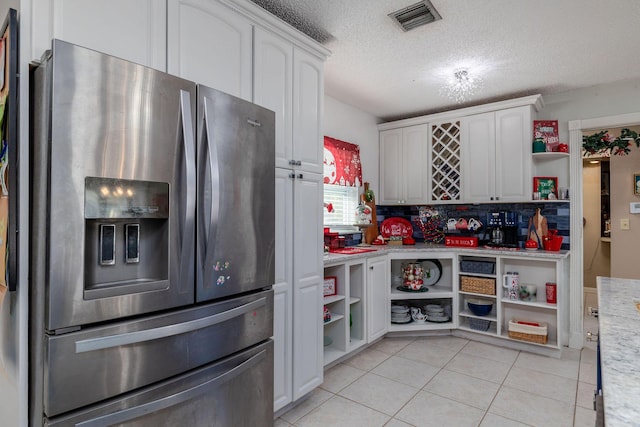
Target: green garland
(601, 141)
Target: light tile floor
(450, 381)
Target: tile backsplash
(556, 213)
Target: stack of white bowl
(400, 313)
(436, 313)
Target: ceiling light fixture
(461, 86)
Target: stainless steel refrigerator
(152, 248)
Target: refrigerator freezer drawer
(85, 367)
(237, 391)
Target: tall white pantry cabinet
(237, 47)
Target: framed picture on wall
(547, 186)
(636, 184)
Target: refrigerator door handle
(211, 223)
(190, 172)
(111, 341)
(174, 399)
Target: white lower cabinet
(377, 297)
(440, 291)
(298, 359)
(345, 327)
(483, 278)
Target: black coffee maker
(502, 229)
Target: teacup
(474, 224)
(451, 224)
(462, 224)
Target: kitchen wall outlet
(624, 223)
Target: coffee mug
(461, 224)
(528, 292)
(511, 285)
(474, 224)
(451, 224)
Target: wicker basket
(482, 267)
(528, 331)
(479, 324)
(478, 285)
(538, 339)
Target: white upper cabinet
(478, 157)
(308, 105)
(514, 133)
(211, 44)
(496, 155)
(289, 81)
(404, 165)
(273, 88)
(132, 30)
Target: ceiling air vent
(413, 16)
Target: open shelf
(333, 298)
(538, 304)
(334, 318)
(422, 326)
(549, 155)
(436, 291)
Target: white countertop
(334, 258)
(619, 331)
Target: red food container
(551, 290)
(459, 241)
(552, 243)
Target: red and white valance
(342, 163)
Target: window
(344, 201)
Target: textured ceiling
(517, 47)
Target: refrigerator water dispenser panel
(121, 198)
(126, 237)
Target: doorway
(597, 226)
(576, 268)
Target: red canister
(551, 292)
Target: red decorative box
(464, 242)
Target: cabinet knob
(292, 175)
(300, 176)
(497, 198)
(591, 337)
(491, 198)
(292, 162)
(371, 268)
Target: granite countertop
(334, 258)
(619, 324)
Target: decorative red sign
(459, 241)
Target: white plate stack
(400, 313)
(436, 313)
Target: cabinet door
(282, 300)
(478, 157)
(135, 31)
(209, 43)
(308, 274)
(377, 297)
(308, 104)
(391, 167)
(513, 154)
(273, 86)
(415, 146)
(445, 162)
